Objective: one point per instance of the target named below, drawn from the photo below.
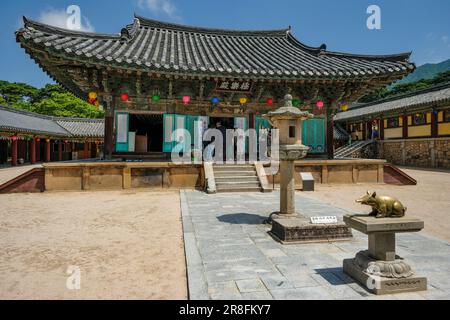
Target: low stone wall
(428, 153)
(337, 171)
(117, 176)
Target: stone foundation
(427, 153)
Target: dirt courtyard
(428, 200)
(127, 245)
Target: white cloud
(159, 6)
(445, 39)
(58, 18)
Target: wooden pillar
(93, 150)
(109, 129)
(38, 150)
(14, 144)
(48, 155)
(60, 150)
(381, 128)
(405, 126)
(33, 151)
(86, 150)
(434, 124)
(330, 133)
(364, 130)
(251, 121)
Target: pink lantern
(186, 99)
(14, 138)
(320, 104)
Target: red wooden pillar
(405, 126)
(86, 150)
(38, 150)
(48, 150)
(364, 130)
(434, 124)
(93, 150)
(14, 143)
(381, 128)
(60, 150)
(33, 151)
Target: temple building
(154, 77)
(29, 138)
(411, 129)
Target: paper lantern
(344, 108)
(66, 141)
(124, 97)
(270, 101)
(38, 140)
(296, 103)
(156, 98)
(14, 138)
(320, 104)
(215, 100)
(92, 95)
(186, 99)
(243, 100)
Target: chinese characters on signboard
(234, 86)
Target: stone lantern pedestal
(287, 225)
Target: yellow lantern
(344, 108)
(243, 100)
(92, 95)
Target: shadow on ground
(242, 218)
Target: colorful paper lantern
(215, 100)
(296, 103)
(186, 99)
(344, 108)
(243, 100)
(38, 140)
(14, 138)
(270, 101)
(92, 95)
(320, 104)
(124, 97)
(156, 98)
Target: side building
(27, 137)
(412, 129)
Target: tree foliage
(400, 89)
(52, 100)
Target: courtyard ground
(428, 200)
(128, 245)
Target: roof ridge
(49, 28)
(403, 96)
(25, 112)
(188, 28)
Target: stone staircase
(236, 178)
(346, 151)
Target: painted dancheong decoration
(383, 206)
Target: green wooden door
(122, 130)
(314, 135)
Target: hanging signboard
(234, 86)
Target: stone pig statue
(382, 206)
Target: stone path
(231, 256)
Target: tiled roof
(19, 121)
(87, 128)
(416, 99)
(151, 45)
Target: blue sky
(420, 26)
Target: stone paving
(230, 255)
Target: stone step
(236, 179)
(236, 173)
(233, 168)
(239, 189)
(238, 183)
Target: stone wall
(427, 153)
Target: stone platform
(380, 269)
(299, 229)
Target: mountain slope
(426, 71)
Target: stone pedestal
(299, 229)
(379, 269)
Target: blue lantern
(215, 100)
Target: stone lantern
(287, 225)
(289, 121)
